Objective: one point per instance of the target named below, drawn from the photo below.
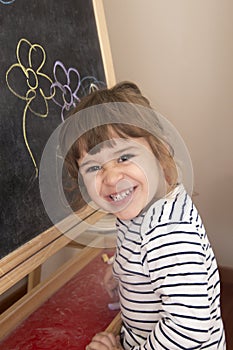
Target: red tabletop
(70, 318)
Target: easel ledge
(11, 318)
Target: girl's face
(122, 178)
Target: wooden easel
(30, 257)
(27, 260)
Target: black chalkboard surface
(50, 56)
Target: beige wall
(180, 52)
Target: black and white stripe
(168, 279)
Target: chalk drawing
(5, 2)
(90, 84)
(66, 85)
(69, 87)
(30, 61)
(64, 90)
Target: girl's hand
(110, 283)
(104, 341)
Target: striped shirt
(168, 279)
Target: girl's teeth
(122, 195)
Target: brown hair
(129, 94)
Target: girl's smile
(122, 176)
(118, 197)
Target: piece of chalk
(105, 257)
(110, 260)
(114, 306)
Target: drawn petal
(22, 52)
(39, 104)
(90, 83)
(36, 57)
(74, 80)
(5, 2)
(16, 79)
(60, 73)
(67, 97)
(58, 95)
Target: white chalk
(111, 260)
(114, 306)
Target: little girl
(164, 267)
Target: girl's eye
(125, 157)
(93, 169)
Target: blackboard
(50, 57)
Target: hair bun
(127, 85)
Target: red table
(70, 318)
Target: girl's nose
(112, 174)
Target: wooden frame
(104, 42)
